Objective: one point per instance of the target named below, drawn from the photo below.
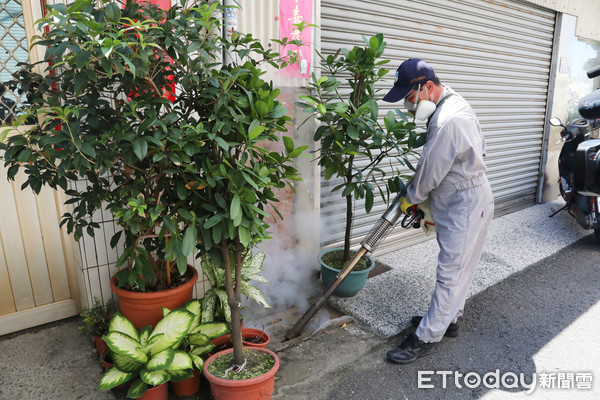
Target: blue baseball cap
(409, 74)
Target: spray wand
(385, 224)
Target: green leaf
(253, 293)
(154, 378)
(161, 360)
(125, 345)
(208, 269)
(181, 361)
(198, 361)
(353, 132)
(289, 144)
(121, 324)
(235, 210)
(113, 12)
(113, 378)
(188, 244)
(140, 148)
(368, 200)
(198, 339)
(174, 327)
(137, 389)
(209, 302)
(125, 364)
(213, 329)
(244, 236)
(181, 374)
(254, 133)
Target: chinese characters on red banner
(293, 12)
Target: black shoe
(452, 330)
(409, 350)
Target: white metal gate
(495, 53)
(37, 259)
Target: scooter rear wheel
(597, 232)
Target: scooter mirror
(555, 121)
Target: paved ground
(534, 309)
(542, 320)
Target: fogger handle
(385, 224)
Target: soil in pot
(334, 260)
(255, 337)
(257, 363)
(255, 382)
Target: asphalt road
(541, 323)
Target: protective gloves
(406, 207)
(426, 222)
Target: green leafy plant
(149, 356)
(134, 101)
(185, 151)
(197, 341)
(354, 141)
(214, 302)
(95, 319)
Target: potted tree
(114, 122)
(354, 142)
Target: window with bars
(13, 50)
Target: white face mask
(423, 108)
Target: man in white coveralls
(451, 172)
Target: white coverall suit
(451, 172)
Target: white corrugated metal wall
(496, 53)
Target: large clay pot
(259, 388)
(143, 308)
(353, 283)
(187, 387)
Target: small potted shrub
(148, 357)
(95, 320)
(354, 142)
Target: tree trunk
(349, 212)
(233, 289)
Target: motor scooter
(578, 137)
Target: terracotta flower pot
(259, 388)
(187, 387)
(255, 337)
(143, 308)
(101, 345)
(160, 392)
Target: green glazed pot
(353, 283)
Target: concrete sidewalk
(56, 362)
(515, 241)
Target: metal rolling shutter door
(496, 53)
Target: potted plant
(197, 344)
(243, 167)
(95, 320)
(118, 110)
(148, 357)
(354, 142)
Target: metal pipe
(369, 244)
(307, 316)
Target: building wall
(586, 11)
